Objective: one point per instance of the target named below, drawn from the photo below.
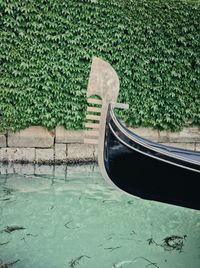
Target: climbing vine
(46, 49)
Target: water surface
(70, 217)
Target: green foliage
(46, 49)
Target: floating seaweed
(120, 264)
(24, 238)
(174, 242)
(7, 265)
(133, 232)
(69, 227)
(4, 243)
(31, 235)
(10, 229)
(108, 200)
(8, 191)
(150, 262)
(170, 243)
(130, 202)
(112, 248)
(74, 262)
(152, 241)
(5, 199)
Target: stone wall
(38, 145)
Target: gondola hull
(138, 170)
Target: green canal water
(69, 217)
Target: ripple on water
(73, 218)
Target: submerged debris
(133, 232)
(8, 191)
(5, 243)
(152, 241)
(31, 235)
(70, 227)
(119, 265)
(10, 229)
(74, 262)
(150, 263)
(112, 248)
(24, 238)
(170, 243)
(174, 242)
(108, 200)
(130, 202)
(7, 265)
(5, 199)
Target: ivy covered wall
(46, 49)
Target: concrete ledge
(147, 133)
(68, 136)
(31, 137)
(3, 154)
(163, 136)
(188, 146)
(186, 135)
(60, 152)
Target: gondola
(135, 165)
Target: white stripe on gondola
(146, 145)
(149, 155)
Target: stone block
(197, 147)
(60, 152)
(2, 140)
(3, 154)
(191, 134)
(35, 136)
(80, 152)
(182, 145)
(44, 155)
(147, 133)
(17, 154)
(68, 136)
